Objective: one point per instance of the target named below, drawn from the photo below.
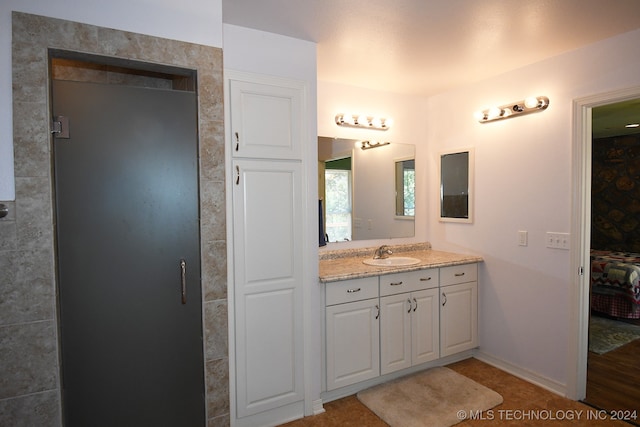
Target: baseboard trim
(317, 407)
(525, 374)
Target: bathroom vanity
(381, 322)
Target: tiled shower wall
(29, 361)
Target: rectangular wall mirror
(456, 185)
(365, 194)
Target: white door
(458, 318)
(353, 332)
(267, 235)
(395, 332)
(266, 120)
(425, 326)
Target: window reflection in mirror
(405, 187)
(456, 186)
(365, 195)
(337, 183)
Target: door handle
(183, 280)
(416, 302)
(444, 299)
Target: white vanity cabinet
(392, 323)
(458, 308)
(409, 331)
(352, 331)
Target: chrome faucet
(382, 252)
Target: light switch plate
(523, 238)
(558, 240)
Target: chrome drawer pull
(395, 284)
(350, 291)
(425, 279)
(459, 274)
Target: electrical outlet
(558, 240)
(522, 238)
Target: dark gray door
(126, 189)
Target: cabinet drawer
(391, 284)
(351, 290)
(458, 274)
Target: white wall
(409, 127)
(195, 21)
(523, 182)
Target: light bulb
(359, 144)
(531, 102)
(506, 112)
(479, 115)
(493, 113)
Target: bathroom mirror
(365, 194)
(456, 185)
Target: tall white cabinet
(265, 137)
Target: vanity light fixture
(366, 145)
(529, 105)
(363, 121)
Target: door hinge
(60, 127)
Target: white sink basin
(395, 261)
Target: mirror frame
(470, 185)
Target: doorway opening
(614, 323)
(585, 133)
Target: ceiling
(610, 120)
(425, 47)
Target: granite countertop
(347, 264)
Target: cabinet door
(267, 246)
(458, 318)
(266, 119)
(395, 332)
(425, 326)
(353, 339)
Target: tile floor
(522, 402)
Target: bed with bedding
(615, 283)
